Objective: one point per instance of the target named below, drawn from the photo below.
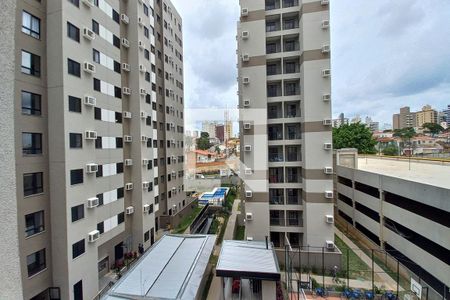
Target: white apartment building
(95, 155)
(285, 121)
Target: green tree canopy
(433, 128)
(203, 141)
(405, 133)
(390, 150)
(354, 135)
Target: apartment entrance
(118, 252)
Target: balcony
(293, 175)
(293, 153)
(293, 131)
(272, 4)
(291, 66)
(273, 25)
(292, 109)
(274, 89)
(290, 22)
(276, 154)
(273, 46)
(276, 175)
(290, 3)
(291, 88)
(293, 196)
(274, 111)
(294, 218)
(275, 132)
(273, 68)
(291, 44)
(276, 197)
(277, 218)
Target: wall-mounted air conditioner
(88, 67)
(246, 103)
(90, 135)
(128, 186)
(324, 2)
(249, 238)
(144, 138)
(247, 126)
(89, 101)
(328, 170)
(326, 49)
(124, 18)
(329, 245)
(329, 194)
(92, 202)
(248, 148)
(126, 90)
(88, 3)
(126, 67)
(127, 138)
(326, 97)
(244, 12)
(88, 34)
(327, 122)
(128, 162)
(248, 194)
(143, 115)
(146, 208)
(245, 57)
(245, 35)
(141, 45)
(329, 219)
(248, 171)
(93, 236)
(326, 73)
(129, 210)
(143, 92)
(142, 68)
(327, 146)
(126, 115)
(91, 168)
(140, 21)
(325, 24)
(245, 80)
(125, 43)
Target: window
(33, 184)
(120, 218)
(31, 104)
(31, 143)
(76, 176)
(74, 104)
(116, 67)
(78, 248)
(77, 212)
(146, 236)
(34, 223)
(115, 16)
(101, 227)
(75, 2)
(31, 64)
(96, 84)
(95, 56)
(31, 25)
(73, 67)
(76, 140)
(120, 193)
(73, 32)
(95, 27)
(36, 262)
(145, 10)
(78, 289)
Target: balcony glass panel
(274, 90)
(293, 153)
(276, 196)
(293, 218)
(273, 68)
(293, 196)
(292, 109)
(276, 154)
(291, 67)
(290, 3)
(277, 218)
(291, 45)
(293, 131)
(274, 111)
(275, 132)
(293, 175)
(291, 88)
(273, 47)
(272, 26)
(276, 175)
(294, 239)
(290, 23)
(272, 4)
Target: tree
(390, 151)
(355, 135)
(217, 149)
(433, 128)
(203, 141)
(406, 134)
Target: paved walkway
(215, 288)
(380, 274)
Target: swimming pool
(216, 197)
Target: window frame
(39, 263)
(73, 68)
(31, 31)
(35, 228)
(34, 69)
(73, 30)
(36, 188)
(36, 144)
(33, 98)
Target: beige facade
(426, 115)
(98, 127)
(285, 120)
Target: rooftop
(427, 172)
(173, 268)
(248, 259)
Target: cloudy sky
(385, 54)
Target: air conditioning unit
(249, 238)
(244, 12)
(126, 67)
(92, 202)
(145, 185)
(324, 2)
(128, 186)
(91, 168)
(126, 90)
(88, 67)
(128, 162)
(129, 210)
(326, 73)
(143, 115)
(146, 208)
(327, 146)
(325, 24)
(327, 122)
(326, 49)
(88, 34)
(248, 148)
(90, 135)
(248, 171)
(245, 80)
(142, 68)
(329, 245)
(247, 126)
(125, 43)
(89, 101)
(245, 35)
(144, 138)
(145, 162)
(88, 3)
(328, 170)
(248, 216)
(140, 21)
(248, 194)
(326, 97)
(141, 45)
(329, 219)
(127, 138)
(246, 103)
(329, 194)
(126, 115)
(93, 236)
(124, 18)
(143, 92)
(245, 57)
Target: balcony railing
(273, 26)
(276, 200)
(290, 68)
(274, 91)
(293, 156)
(277, 222)
(274, 114)
(276, 157)
(294, 222)
(275, 135)
(273, 48)
(293, 135)
(272, 5)
(292, 113)
(276, 179)
(290, 24)
(291, 90)
(291, 178)
(273, 70)
(291, 46)
(290, 3)
(293, 199)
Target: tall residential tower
(285, 121)
(97, 94)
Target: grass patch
(222, 229)
(357, 268)
(214, 226)
(187, 220)
(240, 233)
(230, 199)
